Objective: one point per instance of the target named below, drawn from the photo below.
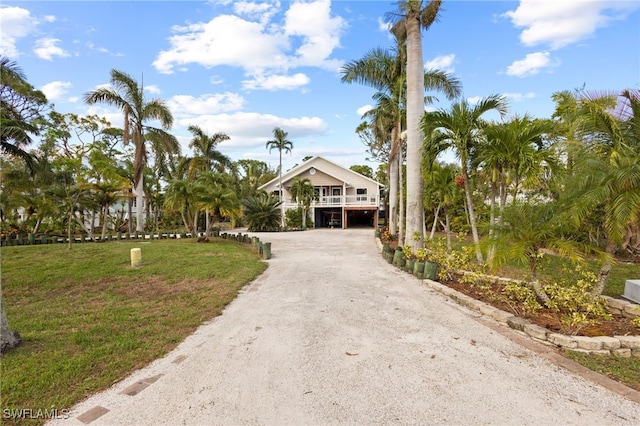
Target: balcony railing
(342, 201)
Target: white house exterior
(344, 198)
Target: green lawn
(88, 319)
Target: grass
(624, 370)
(88, 319)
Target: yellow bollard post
(136, 257)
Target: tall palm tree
(281, 143)
(128, 96)
(207, 157)
(385, 70)
(514, 156)
(414, 15)
(460, 129)
(302, 192)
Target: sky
(246, 67)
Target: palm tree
(514, 157)
(303, 193)
(207, 157)
(440, 185)
(414, 16)
(20, 106)
(460, 129)
(262, 213)
(608, 171)
(385, 71)
(281, 143)
(205, 149)
(529, 229)
(128, 96)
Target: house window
(361, 194)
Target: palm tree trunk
(104, 222)
(415, 111)
(139, 192)
(393, 195)
(603, 275)
(281, 192)
(8, 338)
(447, 228)
(401, 204)
(435, 222)
(472, 212)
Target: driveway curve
(332, 334)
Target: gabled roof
(322, 164)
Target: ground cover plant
(88, 319)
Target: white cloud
(183, 105)
(253, 130)
(46, 49)
(364, 109)
(443, 63)
(50, 18)
(383, 26)
(532, 64)
(276, 82)
(152, 89)
(474, 100)
(517, 97)
(15, 23)
(55, 89)
(260, 47)
(320, 32)
(560, 23)
(262, 12)
(225, 40)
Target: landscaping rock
(609, 343)
(631, 342)
(563, 341)
(588, 343)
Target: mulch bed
(617, 326)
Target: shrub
(578, 308)
(262, 213)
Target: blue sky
(245, 67)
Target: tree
(281, 143)
(384, 70)
(513, 156)
(364, 170)
(414, 16)
(460, 128)
(21, 107)
(128, 96)
(207, 157)
(303, 193)
(608, 171)
(261, 212)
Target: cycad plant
(261, 213)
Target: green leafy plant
(573, 299)
(262, 213)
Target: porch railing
(341, 201)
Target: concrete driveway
(332, 334)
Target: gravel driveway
(332, 334)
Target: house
(344, 198)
